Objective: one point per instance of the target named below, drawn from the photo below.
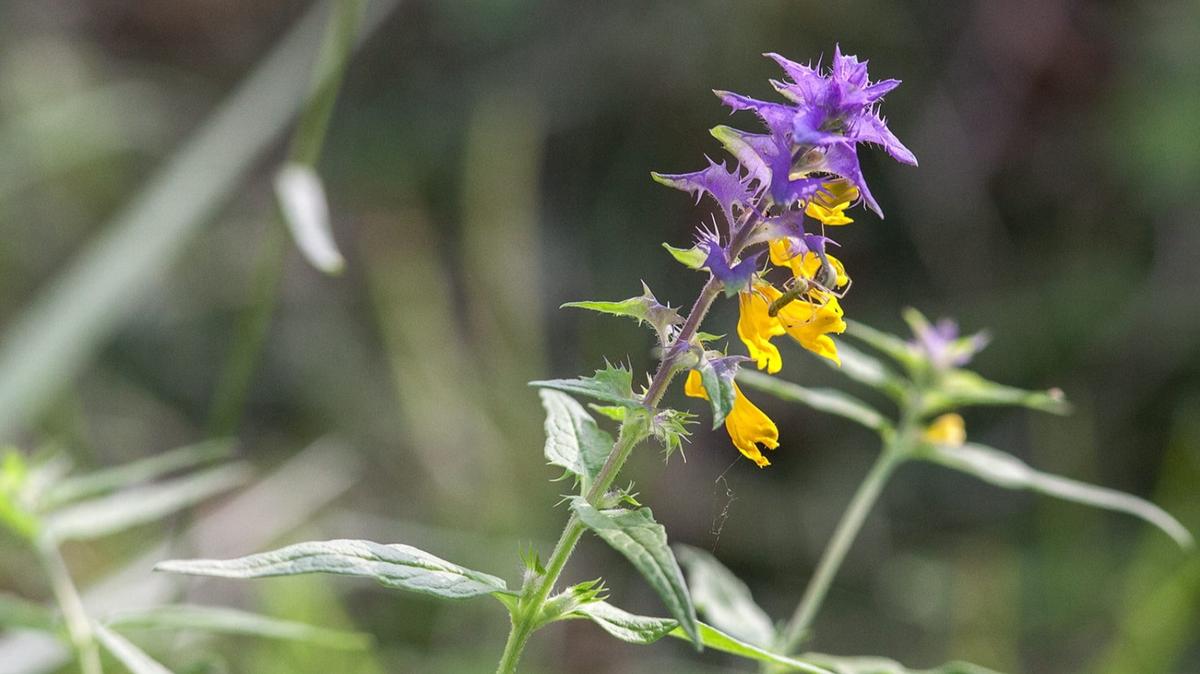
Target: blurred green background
(489, 160)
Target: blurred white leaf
(302, 199)
(723, 599)
(232, 621)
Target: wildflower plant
(768, 246)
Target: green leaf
(958, 388)
(134, 659)
(14, 512)
(644, 309)
(612, 385)
(642, 541)
(231, 621)
(18, 612)
(301, 196)
(875, 665)
(129, 474)
(723, 599)
(573, 440)
(614, 412)
(1004, 470)
(886, 343)
(829, 401)
(868, 370)
(636, 629)
(397, 566)
(692, 258)
(99, 517)
(718, 384)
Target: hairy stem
(538, 588)
(79, 626)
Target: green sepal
(570, 600)
(612, 384)
(669, 428)
(642, 541)
(692, 258)
(644, 308)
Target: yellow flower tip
(749, 427)
(756, 326)
(948, 429)
(694, 387)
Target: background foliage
(488, 161)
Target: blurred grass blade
(642, 541)
(129, 474)
(129, 508)
(306, 212)
(22, 613)
(874, 665)
(232, 621)
(723, 599)
(64, 326)
(636, 629)
(126, 653)
(829, 401)
(397, 566)
(1004, 470)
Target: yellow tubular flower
(948, 429)
(756, 326)
(809, 323)
(748, 426)
(830, 206)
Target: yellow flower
(806, 320)
(747, 425)
(804, 266)
(756, 327)
(829, 205)
(948, 429)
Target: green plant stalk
(304, 148)
(897, 447)
(538, 587)
(79, 626)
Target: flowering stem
(538, 587)
(896, 449)
(79, 626)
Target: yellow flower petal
(809, 324)
(948, 429)
(829, 206)
(748, 426)
(756, 326)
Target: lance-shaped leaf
(723, 599)
(397, 566)
(867, 370)
(642, 541)
(87, 520)
(827, 400)
(573, 440)
(1004, 470)
(692, 258)
(874, 665)
(890, 345)
(222, 620)
(716, 375)
(643, 308)
(611, 385)
(129, 474)
(18, 612)
(134, 659)
(957, 388)
(636, 629)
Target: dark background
(489, 160)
